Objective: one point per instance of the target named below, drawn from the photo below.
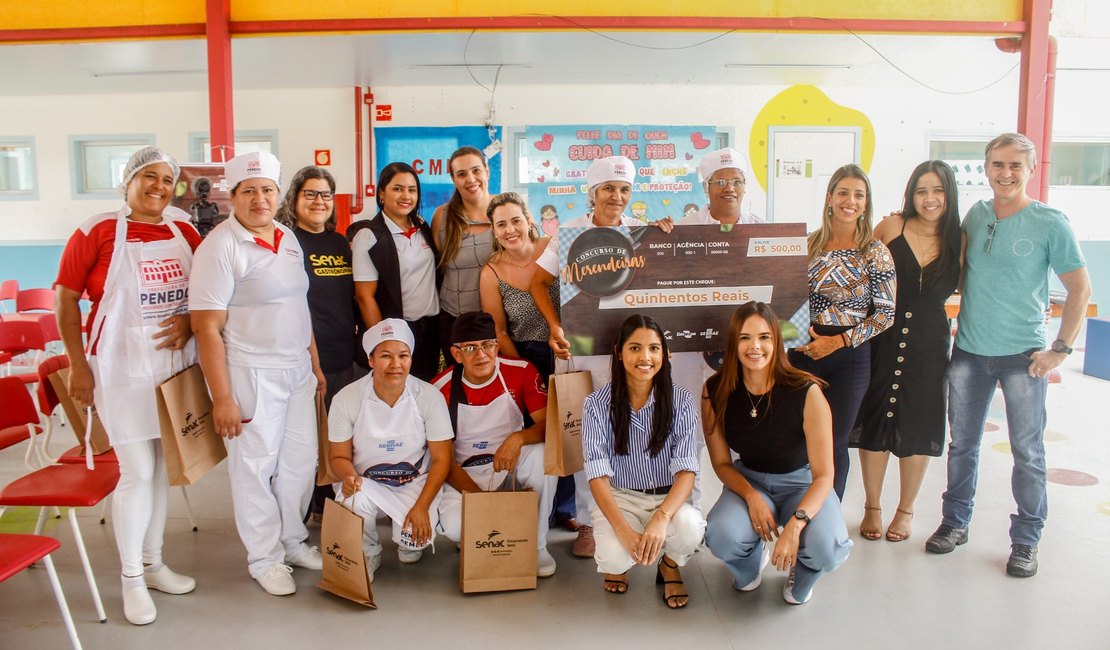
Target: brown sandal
(660, 580)
(901, 535)
(872, 534)
(615, 583)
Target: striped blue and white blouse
(638, 470)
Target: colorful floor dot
(1071, 477)
(1001, 447)
(991, 426)
(1054, 436)
(1104, 508)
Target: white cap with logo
(613, 168)
(256, 164)
(715, 161)
(388, 329)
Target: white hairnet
(146, 157)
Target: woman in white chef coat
(134, 265)
(248, 297)
(390, 437)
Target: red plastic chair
(9, 289)
(48, 402)
(18, 419)
(18, 338)
(17, 552)
(34, 300)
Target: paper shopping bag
(562, 447)
(324, 475)
(98, 440)
(190, 444)
(498, 541)
(344, 564)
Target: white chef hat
(146, 157)
(613, 168)
(388, 329)
(257, 164)
(727, 158)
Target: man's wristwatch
(801, 514)
(1059, 346)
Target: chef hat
(389, 329)
(715, 161)
(613, 168)
(473, 326)
(146, 157)
(257, 164)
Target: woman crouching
(641, 460)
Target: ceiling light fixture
(142, 73)
(787, 66)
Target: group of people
(280, 308)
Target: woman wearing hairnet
(134, 265)
(249, 305)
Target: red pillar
(1034, 95)
(221, 116)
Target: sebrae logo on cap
(254, 167)
(387, 331)
(618, 168)
(726, 159)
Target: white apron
(147, 283)
(481, 430)
(393, 480)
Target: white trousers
(139, 505)
(362, 505)
(684, 531)
(272, 463)
(529, 473)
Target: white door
(800, 161)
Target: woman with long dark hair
(396, 266)
(641, 459)
(851, 299)
(903, 411)
(775, 418)
(464, 238)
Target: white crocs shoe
(305, 556)
(545, 564)
(409, 557)
(278, 580)
(138, 607)
(167, 581)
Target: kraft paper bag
(75, 414)
(190, 444)
(562, 447)
(498, 543)
(344, 564)
(324, 474)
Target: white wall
(309, 119)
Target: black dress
(904, 409)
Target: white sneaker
(373, 563)
(138, 607)
(278, 580)
(169, 582)
(305, 556)
(409, 557)
(545, 564)
(788, 590)
(754, 584)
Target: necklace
(755, 405)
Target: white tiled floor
(886, 595)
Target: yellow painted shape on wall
(805, 106)
(55, 14)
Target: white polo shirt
(417, 262)
(549, 258)
(263, 291)
(702, 218)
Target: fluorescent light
(471, 65)
(142, 73)
(786, 66)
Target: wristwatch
(801, 514)
(1059, 346)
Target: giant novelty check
(690, 280)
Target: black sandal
(621, 582)
(659, 580)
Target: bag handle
(89, 465)
(512, 476)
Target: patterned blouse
(526, 323)
(847, 288)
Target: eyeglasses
(486, 346)
(990, 236)
(722, 183)
(312, 194)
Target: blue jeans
(824, 542)
(971, 383)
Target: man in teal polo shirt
(1010, 244)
